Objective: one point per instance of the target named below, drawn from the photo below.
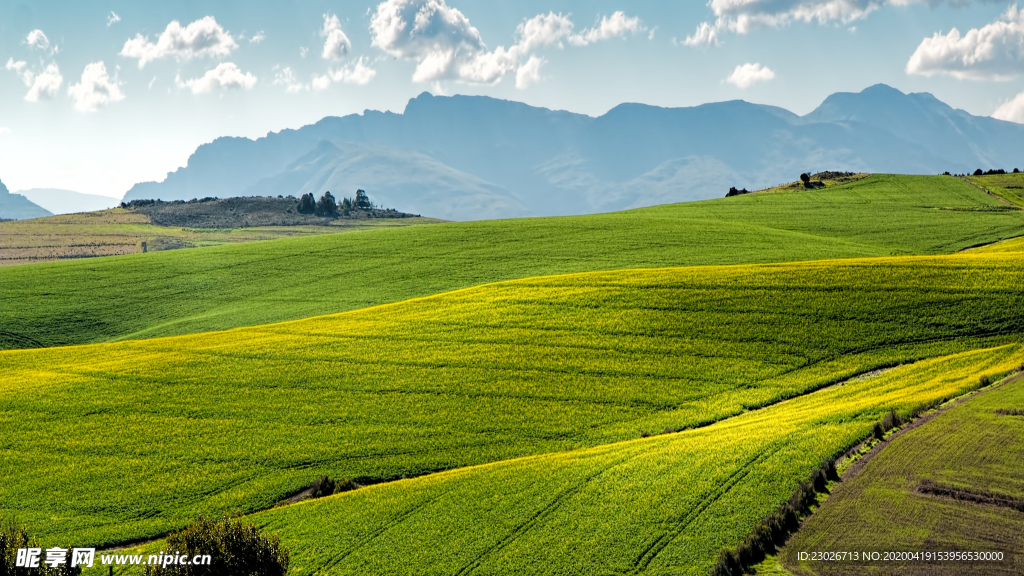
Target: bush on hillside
(805, 178)
(734, 192)
(235, 548)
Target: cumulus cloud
(992, 52)
(336, 45)
(45, 85)
(226, 76)
(258, 37)
(1012, 110)
(618, 25)
(742, 16)
(112, 19)
(202, 38)
(95, 89)
(445, 46)
(529, 73)
(36, 39)
(746, 75)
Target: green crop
(201, 289)
(111, 442)
(660, 505)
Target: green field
(237, 420)
(660, 505)
(119, 232)
(196, 290)
(1007, 186)
(973, 452)
(609, 394)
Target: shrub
(236, 549)
(978, 172)
(985, 381)
(323, 487)
(1016, 170)
(805, 178)
(727, 565)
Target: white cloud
(303, 51)
(992, 52)
(42, 86)
(742, 16)
(45, 85)
(21, 69)
(112, 19)
(258, 37)
(96, 89)
(1012, 110)
(746, 75)
(705, 35)
(226, 76)
(618, 25)
(445, 46)
(36, 39)
(336, 45)
(359, 72)
(529, 73)
(202, 38)
(543, 30)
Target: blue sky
(95, 96)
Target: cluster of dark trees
(980, 172)
(806, 179)
(328, 207)
(734, 192)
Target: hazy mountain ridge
(67, 201)
(472, 157)
(18, 207)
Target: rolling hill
(485, 158)
(146, 295)
(239, 420)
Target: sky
(96, 96)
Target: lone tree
(362, 201)
(805, 178)
(307, 204)
(326, 206)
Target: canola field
(659, 505)
(196, 290)
(115, 442)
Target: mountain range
(18, 207)
(475, 157)
(68, 202)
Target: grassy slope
(1008, 186)
(661, 505)
(181, 292)
(235, 420)
(118, 232)
(880, 509)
